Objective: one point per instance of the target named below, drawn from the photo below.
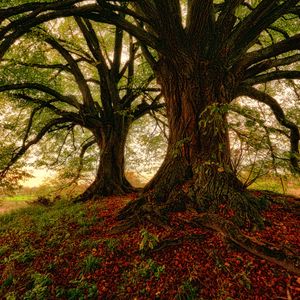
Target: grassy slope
(68, 252)
(9, 203)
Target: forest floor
(70, 252)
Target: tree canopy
(204, 55)
(68, 76)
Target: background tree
(81, 82)
(10, 118)
(204, 54)
(260, 145)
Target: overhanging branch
(271, 63)
(277, 75)
(247, 31)
(27, 144)
(71, 100)
(280, 117)
(274, 50)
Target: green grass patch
(269, 184)
(90, 264)
(46, 237)
(18, 198)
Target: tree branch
(271, 63)
(84, 148)
(80, 80)
(10, 33)
(72, 116)
(71, 100)
(144, 108)
(35, 8)
(200, 23)
(272, 76)
(25, 146)
(227, 18)
(280, 117)
(59, 67)
(281, 47)
(247, 31)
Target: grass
(67, 251)
(269, 184)
(21, 197)
(289, 185)
(46, 239)
(12, 202)
(90, 263)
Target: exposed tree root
(147, 209)
(131, 208)
(224, 205)
(100, 189)
(123, 226)
(143, 210)
(232, 232)
(174, 242)
(241, 206)
(215, 191)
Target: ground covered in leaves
(70, 252)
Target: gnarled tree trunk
(110, 178)
(197, 169)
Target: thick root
(174, 242)
(98, 190)
(131, 209)
(223, 193)
(147, 208)
(242, 208)
(232, 232)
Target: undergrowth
(67, 251)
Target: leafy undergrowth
(69, 252)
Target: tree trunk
(110, 178)
(197, 94)
(197, 169)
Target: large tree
(204, 54)
(84, 82)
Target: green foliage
(148, 269)
(47, 223)
(25, 256)
(187, 291)
(82, 291)
(259, 147)
(11, 296)
(149, 240)
(3, 249)
(39, 290)
(179, 145)
(152, 267)
(90, 263)
(112, 244)
(8, 281)
(89, 244)
(19, 197)
(145, 147)
(270, 183)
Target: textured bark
(110, 178)
(197, 169)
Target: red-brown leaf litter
(208, 267)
